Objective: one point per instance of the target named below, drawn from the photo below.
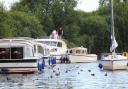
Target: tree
(51, 13)
(120, 15)
(4, 28)
(120, 22)
(24, 25)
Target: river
(67, 76)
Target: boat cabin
(53, 42)
(57, 47)
(77, 51)
(22, 54)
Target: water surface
(68, 76)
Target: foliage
(15, 23)
(24, 25)
(51, 13)
(4, 28)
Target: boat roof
(17, 41)
(78, 48)
(57, 40)
(15, 44)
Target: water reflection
(68, 76)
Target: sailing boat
(113, 61)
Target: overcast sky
(8, 3)
(85, 5)
(88, 5)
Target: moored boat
(57, 47)
(113, 61)
(79, 55)
(110, 61)
(21, 55)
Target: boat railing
(44, 37)
(17, 39)
(47, 37)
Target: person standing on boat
(60, 33)
(54, 35)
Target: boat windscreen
(50, 43)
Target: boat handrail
(47, 37)
(26, 39)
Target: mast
(113, 41)
(111, 18)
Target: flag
(114, 44)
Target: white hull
(19, 66)
(83, 58)
(114, 64)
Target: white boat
(79, 55)
(57, 47)
(113, 61)
(21, 55)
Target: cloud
(87, 5)
(8, 3)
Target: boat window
(67, 51)
(70, 51)
(83, 51)
(4, 53)
(40, 50)
(50, 43)
(34, 48)
(45, 42)
(59, 44)
(29, 52)
(11, 53)
(77, 51)
(46, 51)
(16, 53)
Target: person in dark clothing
(60, 33)
(67, 59)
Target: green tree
(51, 13)
(4, 28)
(24, 25)
(120, 15)
(120, 22)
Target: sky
(88, 5)
(8, 3)
(84, 5)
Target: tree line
(37, 18)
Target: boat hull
(18, 66)
(18, 71)
(82, 58)
(114, 64)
